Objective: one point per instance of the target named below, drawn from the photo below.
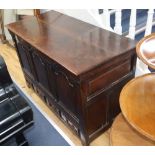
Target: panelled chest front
(76, 68)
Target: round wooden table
(137, 102)
(122, 134)
(146, 50)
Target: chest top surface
(76, 45)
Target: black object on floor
(15, 113)
(5, 78)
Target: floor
(15, 71)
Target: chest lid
(77, 46)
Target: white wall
(81, 14)
(9, 17)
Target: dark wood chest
(76, 68)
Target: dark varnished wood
(66, 24)
(76, 68)
(94, 46)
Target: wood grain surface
(146, 50)
(122, 134)
(137, 102)
(76, 45)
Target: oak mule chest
(78, 69)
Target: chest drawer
(110, 76)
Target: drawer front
(109, 77)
